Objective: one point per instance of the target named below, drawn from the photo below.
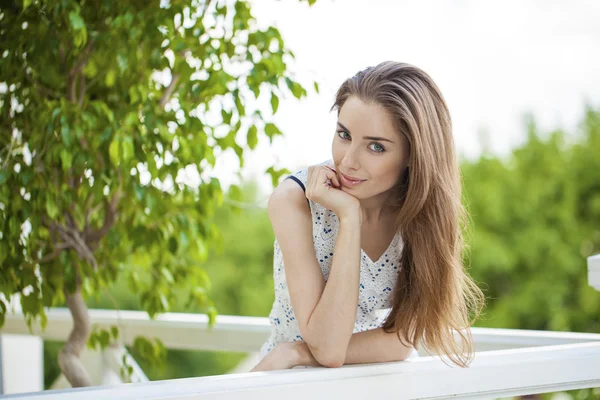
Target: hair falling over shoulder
(435, 301)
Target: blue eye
(341, 135)
(382, 149)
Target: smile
(350, 182)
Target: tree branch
(75, 241)
(9, 153)
(49, 257)
(76, 70)
(81, 89)
(83, 59)
(110, 217)
(169, 91)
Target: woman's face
(368, 147)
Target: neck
(375, 211)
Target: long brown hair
(435, 301)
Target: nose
(350, 160)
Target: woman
(371, 239)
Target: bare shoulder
(288, 197)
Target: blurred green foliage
(535, 220)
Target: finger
(335, 180)
(332, 177)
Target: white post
(21, 364)
(594, 271)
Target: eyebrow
(366, 137)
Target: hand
(287, 355)
(323, 187)
(283, 356)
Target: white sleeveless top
(377, 278)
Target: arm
(332, 320)
(372, 346)
(325, 312)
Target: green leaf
(274, 102)
(127, 148)
(167, 275)
(212, 316)
(252, 137)
(43, 320)
(296, 89)
(114, 151)
(104, 338)
(110, 78)
(51, 208)
(172, 245)
(2, 313)
(226, 117)
(202, 250)
(114, 332)
(76, 21)
(276, 174)
(66, 159)
(31, 303)
(316, 86)
(3, 176)
(238, 104)
(271, 130)
(133, 95)
(65, 135)
(235, 193)
(144, 347)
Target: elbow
(406, 353)
(325, 352)
(334, 363)
(329, 359)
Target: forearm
(372, 346)
(375, 346)
(332, 321)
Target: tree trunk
(68, 358)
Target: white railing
(508, 362)
(493, 374)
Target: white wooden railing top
(492, 374)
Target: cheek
(336, 151)
(387, 174)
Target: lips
(351, 178)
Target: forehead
(367, 119)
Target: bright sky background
(493, 61)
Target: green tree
(535, 220)
(247, 257)
(107, 106)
